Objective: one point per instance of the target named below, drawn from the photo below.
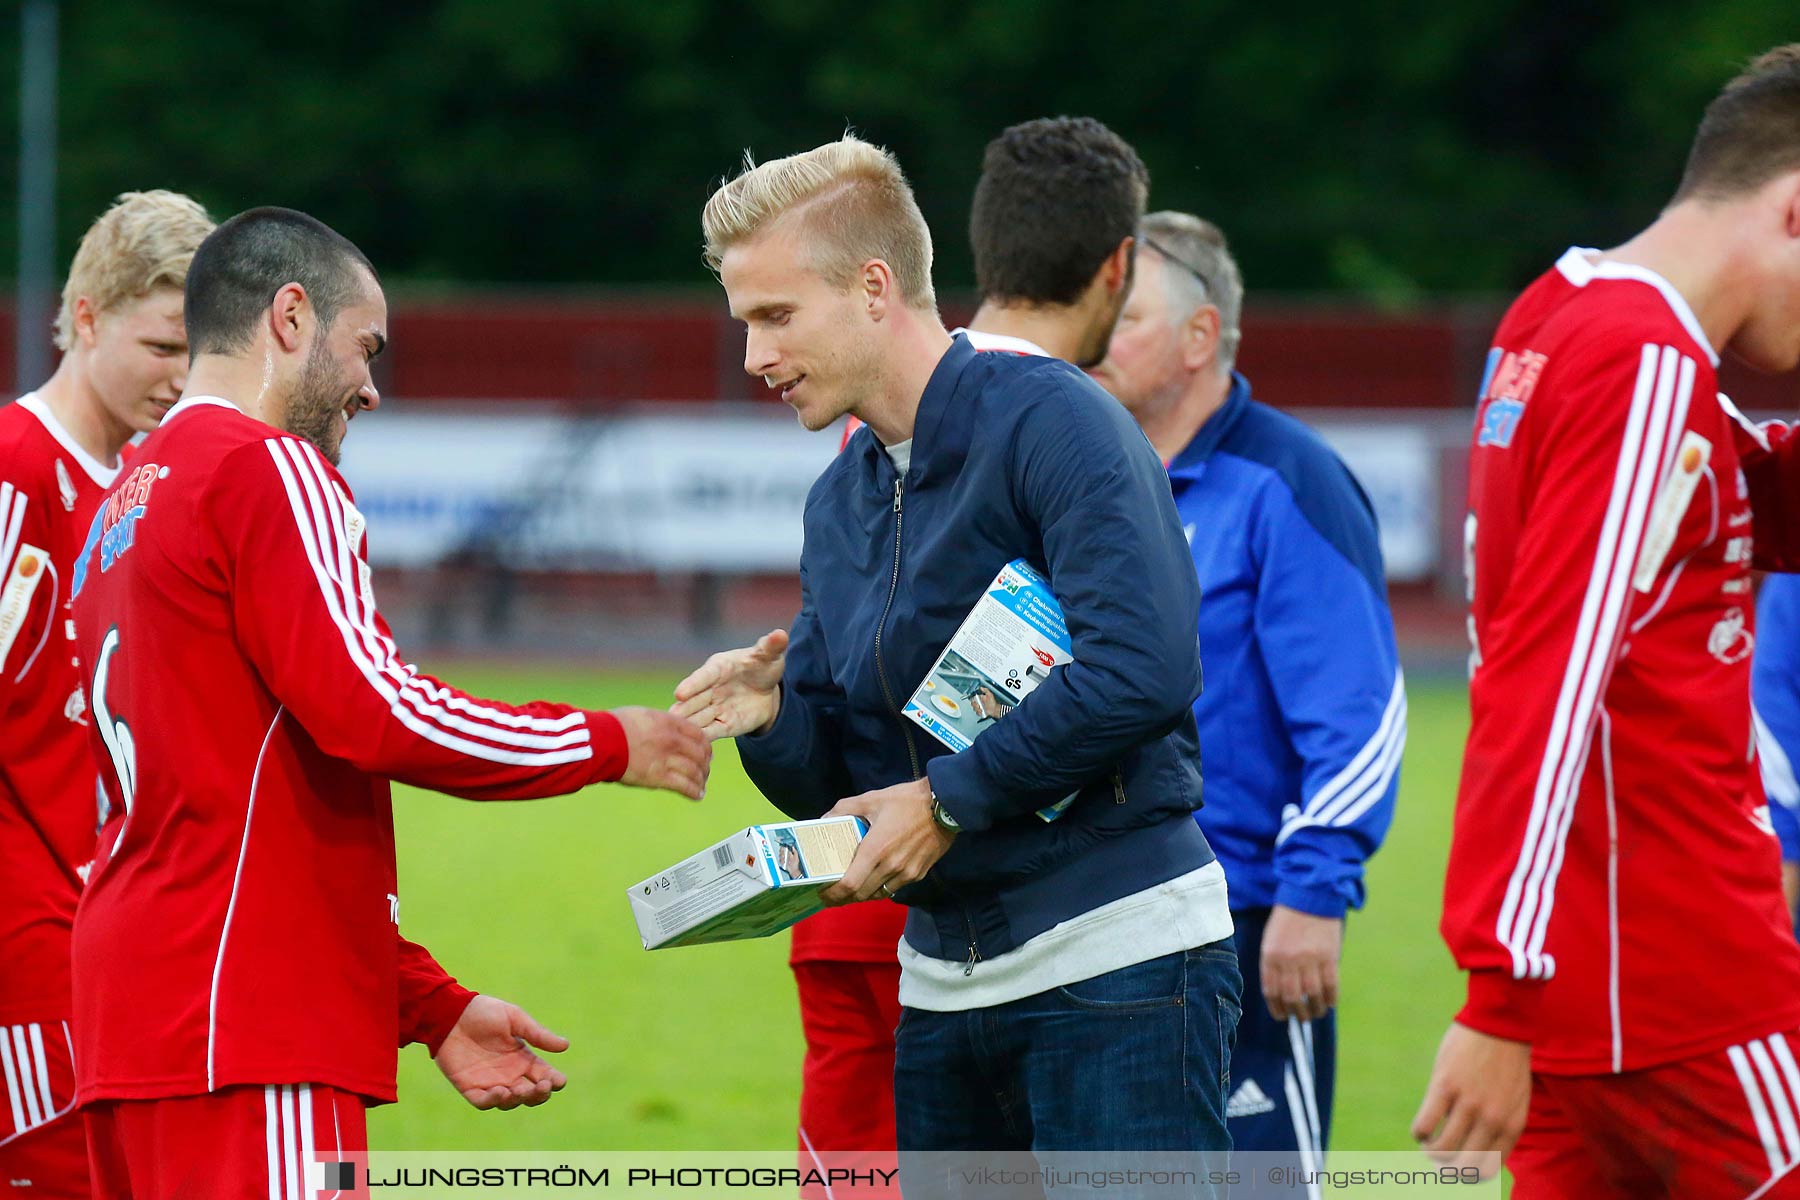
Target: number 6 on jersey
(114, 731)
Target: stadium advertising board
(715, 489)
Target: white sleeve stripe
(12, 1080)
(380, 646)
(379, 651)
(1390, 766)
(1354, 776)
(1679, 368)
(404, 712)
(1654, 469)
(1544, 829)
(407, 708)
(1777, 770)
(1353, 808)
(329, 517)
(27, 1085)
(6, 503)
(12, 519)
(43, 1069)
(1655, 413)
(450, 699)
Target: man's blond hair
(145, 241)
(852, 203)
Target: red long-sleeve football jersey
(249, 708)
(49, 489)
(1614, 884)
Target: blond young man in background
(124, 364)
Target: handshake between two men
(737, 693)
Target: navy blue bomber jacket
(1012, 457)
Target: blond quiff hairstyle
(853, 203)
(145, 241)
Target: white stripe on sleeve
(1658, 410)
(42, 1066)
(12, 1080)
(28, 1090)
(361, 641)
(327, 505)
(1366, 778)
(12, 520)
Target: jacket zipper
(887, 692)
(1119, 786)
(912, 751)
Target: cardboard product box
(756, 882)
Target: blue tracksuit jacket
(1303, 718)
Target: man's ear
(290, 313)
(84, 323)
(879, 290)
(1791, 211)
(1115, 272)
(1200, 338)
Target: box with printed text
(756, 882)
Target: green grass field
(699, 1048)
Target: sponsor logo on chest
(115, 526)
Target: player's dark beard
(1100, 337)
(317, 400)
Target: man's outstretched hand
(735, 692)
(666, 752)
(488, 1056)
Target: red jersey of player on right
(1614, 887)
(249, 708)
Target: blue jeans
(1135, 1060)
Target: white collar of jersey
(189, 402)
(1000, 341)
(96, 470)
(1579, 264)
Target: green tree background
(1384, 151)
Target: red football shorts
(849, 1011)
(1723, 1126)
(43, 1148)
(252, 1142)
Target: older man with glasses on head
(1304, 717)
